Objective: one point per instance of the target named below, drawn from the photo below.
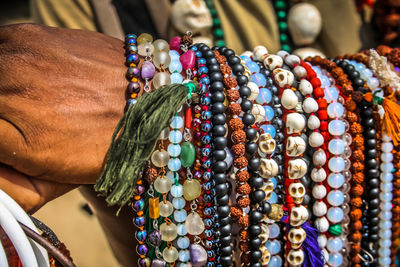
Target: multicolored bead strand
(217, 31)
(132, 61)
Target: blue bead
(183, 242)
(336, 164)
(132, 58)
(335, 259)
(273, 199)
(246, 59)
(205, 100)
(206, 139)
(141, 235)
(174, 164)
(360, 67)
(253, 67)
(273, 181)
(258, 79)
(132, 102)
(181, 229)
(336, 146)
(203, 70)
(198, 54)
(335, 180)
(194, 48)
(334, 244)
(131, 41)
(269, 113)
(130, 36)
(275, 261)
(179, 203)
(386, 177)
(184, 255)
(176, 190)
(180, 215)
(335, 198)
(264, 96)
(202, 61)
(206, 115)
(335, 215)
(268, 128)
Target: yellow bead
(143, 38)
(154, 211)
(134, 80)
(133, 95)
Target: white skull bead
(260, 52)
(254, 90)
(258, 112)
(266, 144)
(289, 99)
(295, 146)
(268, 188)
(295, 257)
(268, 168)
(272, 62)
(296, 237)
(283, 77)
(297, 168)
(265, 255)
(298, 216)
(297, 192)
(295, 123)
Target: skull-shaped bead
(298, 216)
(297, 168)
(283, 77)
(297, 192)
(295, 146)
(266, 143)
(295, 123)
(295, 257)
(289, 99)
(268, 168)
(296, 237)
(272, 62)
(258, 112)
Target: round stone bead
(188, 154)
(386, 187)
(336, 164)
(387, 157)
(181, 229)
(183, 242)
(386, 196)
(160, 79)
(336, 146)
(387, 147)
(334, 244)
(331, 94)
(269, 113)
(179, 203)
(387, 167)
(385, 242)
(166, 208)
(273, 246)
(335, 180)
(176, 78)
(335, 198)
(191, 189)
(264, 96)
(274, 230)
(174, 150)
(335, 215)
(384, 261)
(335, 259)
(162, 185)
(258, 79)
(385, 224)
(386, 206)
(386, 177)
(275, 261)
(176, 123)
(170, 254)
(385, 234)
(174, 164)
(184, 255)
(194, 224)
(160, 158)
(335, 110)
(336, 127)
(168, 231)
(384, 252)
(175, 137)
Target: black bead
(354, 74)
(224, 221)
(208, 54)
(225, 230)
(218, 108)
(373, 229)
(373, 203)
(242, 80)
(233, 60)
(305, 180)
(225, 261)
(221, 189)
(279, 137)
(371, 143)
(255, 256)
(217, 86)
(358, 83)
(373, 213)
(370, 133)
(254, 230)
(274, 90)
(251, 133)
(219, 178)
(374, 221)
(340, 62)
(279, 148)
(256, 182)
(278, 112)
(226, 251)
(222, 49)
(219, 130)
(246, 105)
(366, 113)
(204, 48)
(237, 69)
(372, 153)
(255, 264)
(278, 123)
(213, 67)
(228, 53)
(265, 207)
(219, 142)
(278, 158)
(374, 238)
(307, 200)
(374, 182)
(275, 100)
(219, 154)
(373, 193)
(255, 217)
(216, 77)
(218, 97)
(369, 123)
(371, 163)
(223, 200)
(348, 68)
(244, 91)
(248, 119)
(253, 164)
(255, 243)
(251, 147)
(223, 211)
(258, 195)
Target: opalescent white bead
(386, 138)
(384, 261)
(386, 177)
(274, 231)
(334, 244)
(336, 127)
(386, 206)
(181, 229)
(335, 180)
(176, 78)
(385, 234)
(335, 110)
(386, 196)
(180, 215)
(373, 83)
(386, 215)
(387, 167)
(177, 190)
(174, 164)
(385, 252)
(335, 198)
(387, 147)
(331, 94)
(176, 123)
(175, 137)
(275, 261)
(386, 187)
(385, 243)
(387, 157)
(175, 66)
(179, 203)
(335, 259)
(336, 146)
(184, 255)
(335, 215)
(336, 164)
(174, 150)
(385, 224)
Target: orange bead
(133, 95)
(154, 211)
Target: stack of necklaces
(275, 161)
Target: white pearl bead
(319, 191)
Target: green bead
(282, 26)
(218, 33)
(188, 154)
(283, 37)
(280, 4)
(213, 12)
(335, 229)
(281, 15)
(220, 43)
(216, 22)
(286, 48)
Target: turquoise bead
(275, 261)
(335, 180)
(184, 255)
(264, 96)
(174, 164)
(335, 110)
(335, 198)
(258, 79)
(335, 259)
(269, 113)
(174, 150)
(180, 216)
(179, 203)
(336, 146)
(176, 78)
(183, 242)
(274, 231)
(177, 190)
(175, 66)
(336, 127)
(181, 229)
(336, 164)
(335, 215)
(331, 94)
(176, 123)
(175, 137)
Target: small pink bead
(174, 44)
(188, 59)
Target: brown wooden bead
(356, 237)
(238, 136)
(356, 215)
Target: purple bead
(134, 87)
(158, 263)
(142, 249)
(132, 58)
(197, 175)
(198, 255)
(141, 235)
(154, 238)
(145, 262)
(138, 205)
(133, 72)
(139, 190)
(148, 70)
(139, 221)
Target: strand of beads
(132, 61)
(202, 126)
(396, 204)
(217, 31)
(146, 50)
(281, 9)
(161, 60)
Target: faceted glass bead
(176, 78)
(275, 261)
(160, 79)
(387, 157)
(170, 254)
(174, 150)
(181, 229)
(336, 127)
(174, 164)
(334, 244)
(188, 154)
(166, 208)
(347, 139)
(162, 185)
(179, 203)
(269, 113)
(336, 164)
(160, 158)
(335, 180)
(194, 224)
(258, 79)
(183, 242)
(336, 146)
(180, 215)
(191, 189)
(168, 231)
(335, 198)
(177, 190)
(175, 137)
(264, 96)
(274, 230)
(176, 123)
(335, 259)
(335, 215)
(335, 110)
(184, 255)
(143, 38)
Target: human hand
(62, 93)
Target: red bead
(323, 126)
(319, 92)
(322, 103)
(316, 82)
(325, 135)
(322, 114)
(188, 118)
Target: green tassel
(134, 139)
